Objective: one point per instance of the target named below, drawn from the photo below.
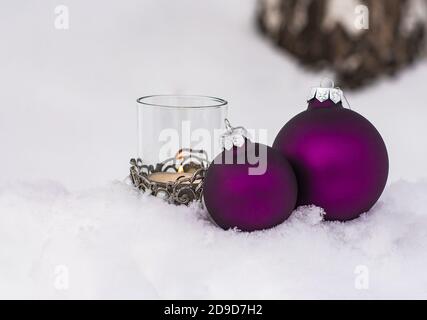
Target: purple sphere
(236, 198)
(339, 158)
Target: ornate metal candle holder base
(183, 189)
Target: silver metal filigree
(184, 190)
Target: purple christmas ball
(248, 195)
(338, 156)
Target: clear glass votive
(178, 136)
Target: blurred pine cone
(359, 40)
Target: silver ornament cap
(234, 136)
(327, 90)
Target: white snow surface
(68, 129)
(116, 243)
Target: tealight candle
(168, 177)
(171, 177)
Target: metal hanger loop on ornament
(345, 98)
(228, 126)
(234, 136)
(327, 83)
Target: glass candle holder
(168, 123)
(178, 135)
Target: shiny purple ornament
(339, 158)
(236, 198)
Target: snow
(417, 14)
(68, 129)
(116, 243)
(346, 14)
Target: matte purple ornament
(339, 158)
(235, 198)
